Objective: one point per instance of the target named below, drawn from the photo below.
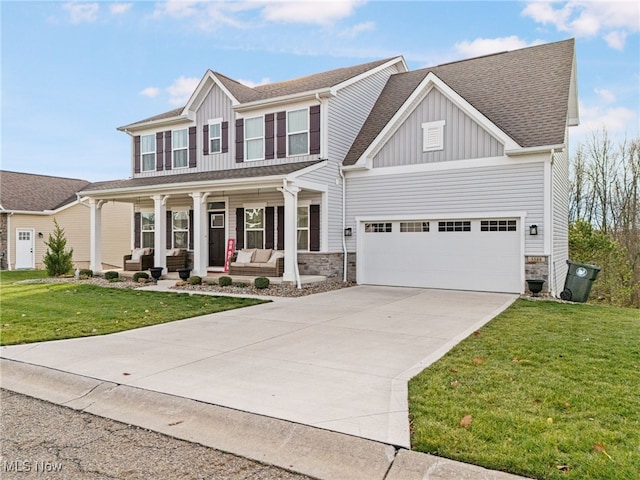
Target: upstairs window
(148, 152)
(298, 132)
(433, 136)
(215, 137)
(254, 138)
(180, 148)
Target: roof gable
(37, 193)
(524, 93)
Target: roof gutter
(164, 122)
(530, 150)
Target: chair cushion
(244, 256)
(274, 257)
(262, 255)
(137, 253)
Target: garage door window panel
(379, 227)
(414, 227)
(498, 226)
(454, 226)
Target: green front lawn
(51, 311)
(545, 390)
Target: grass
(52, 311)
(549, 390)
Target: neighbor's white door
(25, 255)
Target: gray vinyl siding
(518, 187)
(463, 138)
(215, 105)
(560, 212)
(349, 110)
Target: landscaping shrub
(58, 260)
(111, 275)
(195, 280)
(138, 275)
(261, 283)
(225, 281)
(86, 273)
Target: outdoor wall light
(533, 229)
(40, 235)
(347, 232)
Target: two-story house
(454, 176)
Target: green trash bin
(580, 278)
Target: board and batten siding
(463, 137)
(349, 109)
(517, 187)
(215, 105)
(561, 189)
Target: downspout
(344, 224)
(9, 236)
(552, 260)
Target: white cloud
(355, 30)
(616, 120)
(176, 8)
(82, 12)
(616, 39)
(613, 20)
(484, 46)
(181, 90)
(318, 12)
(150, 92)
(250, 83)
(607, 95)
(120, 8)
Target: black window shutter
(280, 243)
(314, 129)
(169, 229)
(239, 140)
(314, 228)
(136, 154)
(268, 136)
(190, 229)
(269, 227)
(159, 151)
(282, 134)
(239, 228)
(137, 229)
(225, 137)
(205, 139)
(167, 149)
(193, 151)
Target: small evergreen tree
(58, 260)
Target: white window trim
(174, 149)
(307, 228)
(215, 121)
(143, 153)
(143, 231)
(174, 230)
(246, 139)
(307, 131)
(433, 136)
(262, 207)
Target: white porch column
(160, 234)
(200, 234)
(290, 234)
(95, 260)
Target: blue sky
(72, 72)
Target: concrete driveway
(338, 360)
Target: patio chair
(139, 259)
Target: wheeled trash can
(580, 278)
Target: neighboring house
(452, 177)
(30, 203)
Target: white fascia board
(154, 124)
(178, 188)
(304, 171)
(199, 94)
(520, 214)
(400, 60)
(270, 103)
(443, 166)
(429, 82)
(574, 108)
(533, 150)
(43, 212)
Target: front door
(216, 239)
(25, 257)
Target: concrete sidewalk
(335, 362)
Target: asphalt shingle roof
(212, 176)
(524, 92)
(36, 193)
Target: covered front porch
(212, 215)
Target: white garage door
(478, 254)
